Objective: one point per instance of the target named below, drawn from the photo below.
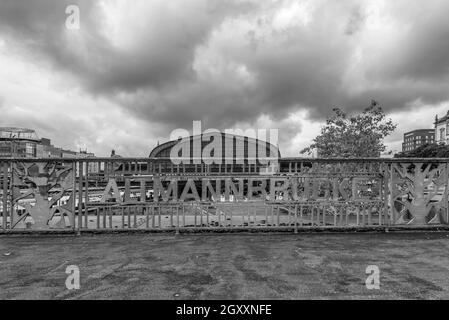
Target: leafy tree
(426, 151)
(353, 136)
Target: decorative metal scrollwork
(39, 188)
(418, 190)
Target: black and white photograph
(223, 156)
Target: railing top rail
(287, 159)
(390, 160)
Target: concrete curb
(375, 229)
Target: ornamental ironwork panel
(39, 195)
(123, 193)
(419, 193)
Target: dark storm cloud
(229, 61)
(162, 53)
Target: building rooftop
(12, 133)
(420, 130)
(443, 119)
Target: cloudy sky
(136, 70)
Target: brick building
(416, 138)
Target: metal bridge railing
(156, 194)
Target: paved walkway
(226, 266)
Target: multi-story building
(231, 148)
(442, 129)
(25, 143)
(46, 150)
(18, 143)
(416, 138)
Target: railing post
(177, 219)
(80, 196)
(385, 193)
(86, 196)
(74, 195)
(392, 210)
(296, 216)
(11, 195)
(446, 192)
(4, 174)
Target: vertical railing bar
(364, 215)
(392, 210)
(312, 213)
(159, 219)
(385, 177)
(370, 212)
(323, 209)
(11, 196)
(347, 216)
(195, 225)
(153, 217)
(266, 216)
(74, 195)
(446, 191)
(155, 214)
(80, 197)
(111, 211)
(340, 211)
(183, 215)
(4, 174)
(296, 212)
(278, 216)
(325, 213)
(97, 213)
(255, 217)
(225, 216)
(218, 214)
(318, 217)
(232, 220)
(336, 216)
(377, 207)
(86, 199)
(105, 209)
(177, 217)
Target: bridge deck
(243, 266)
